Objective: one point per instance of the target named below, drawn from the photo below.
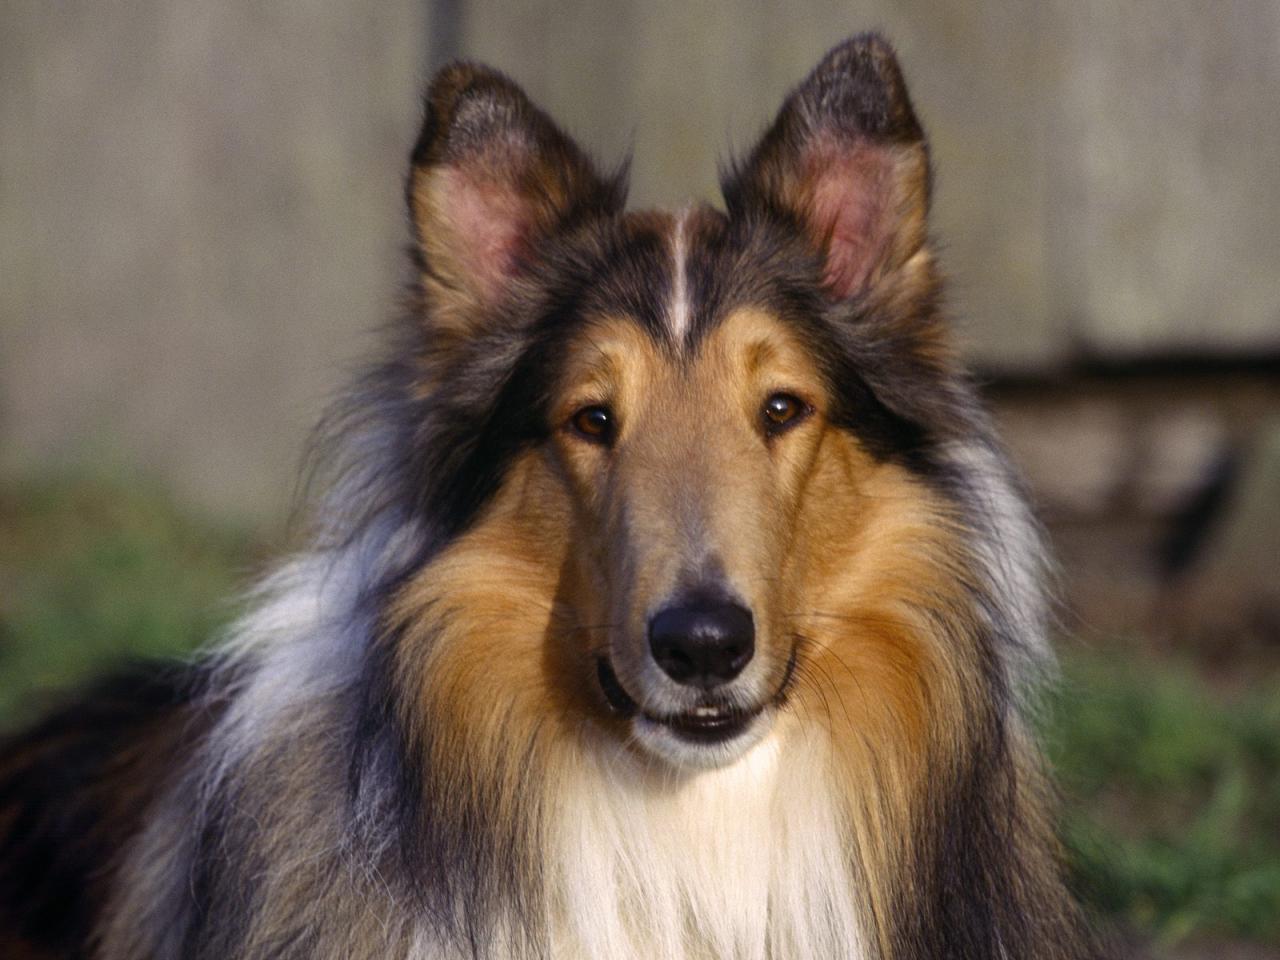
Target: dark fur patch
(456, 416)
(75, 790)
(867, 357)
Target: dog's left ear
(846, 162)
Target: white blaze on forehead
(678, 314)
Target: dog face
(685, 438)
(686, 463)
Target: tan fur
(880, 677)
(506, 663)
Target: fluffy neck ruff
(748, 861)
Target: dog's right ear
(491, 176)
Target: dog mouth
(707, 723)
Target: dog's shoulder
(76, 786)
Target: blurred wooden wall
(200, 203)
(1109, 174)
(200, 219)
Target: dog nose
(702, 643)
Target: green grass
(1173, 788)
(1173, 820)
(93, 573)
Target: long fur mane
(318, 825)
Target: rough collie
(668, 597)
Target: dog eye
(782, 411)
(594, 423)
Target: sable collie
(667, 597)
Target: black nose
(702, 643)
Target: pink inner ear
(489, 223)
(849, 212)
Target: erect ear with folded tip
(491, 176)
(846, 161)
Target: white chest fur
(747, 862)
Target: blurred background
(201, 222)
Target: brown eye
(594, 423)
(782, 410)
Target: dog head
(675, 462)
